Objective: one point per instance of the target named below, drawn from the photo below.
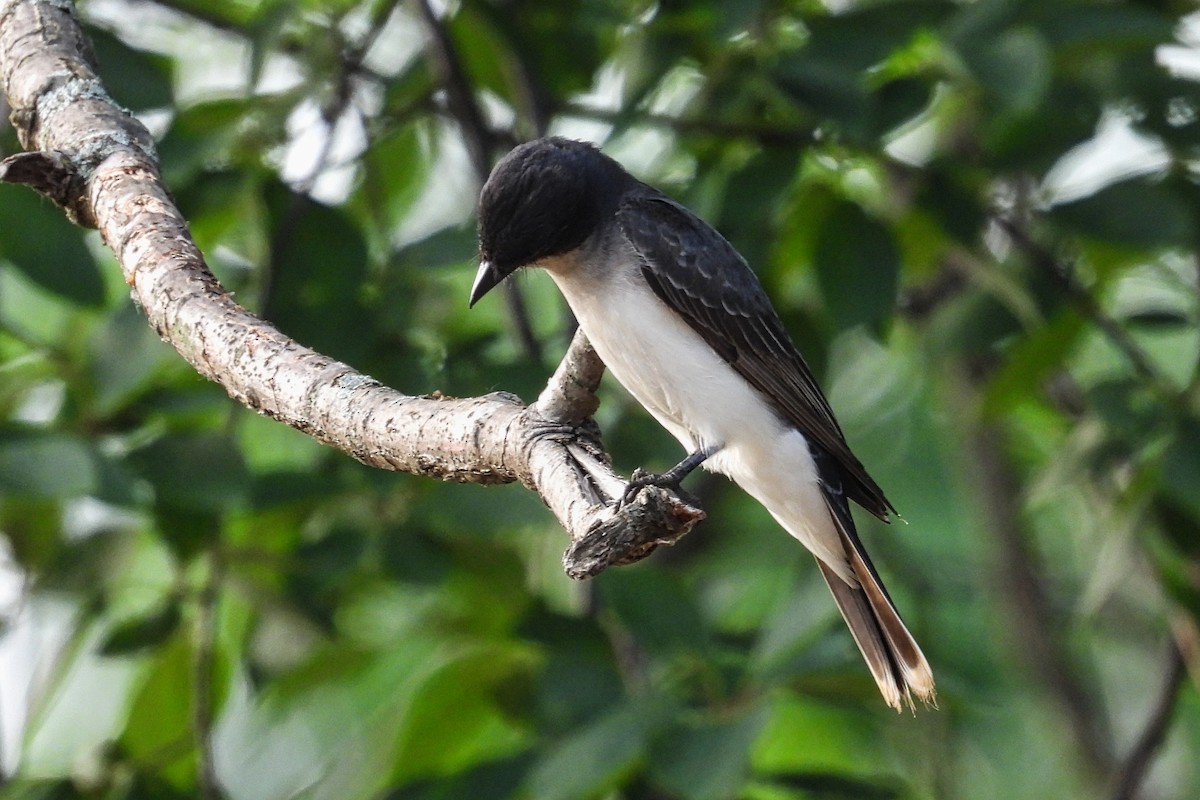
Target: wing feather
(696, 272)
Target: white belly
(703, 402)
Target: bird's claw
(640, 480)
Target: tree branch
(1133, 770)
(98, 162)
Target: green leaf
(1181, 466)
(318, 267)
(1135, 213)
(899, 101)
(162, 712)
(323, 568)
(804, 735)
(46, 465)
(858, 267)
(141, 633)
(448, 247)
(594, 759)
(827, 90)
(1128, 407)
(750, 202)
(708, 759)
(125, 358)
(38, 240)
(136, 79)
(225, 212)
(864, 36)
(231, 14)
(1092, 27)
(485, 53)
(455, 720)
(1029, 360)
(559, 40)
(655, 607)
(198, 472)
(1014, 67)
(578, 680)
(395, 170)
(206, 135)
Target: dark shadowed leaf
(137, 80)
(200, 472)
(708, 759)
(861, 37)
(395, 169)
(140, 633)
(1159, 319)
(447, 247)
(593, 759)
(949, 194)
(1014, 68)
(495, 780)
(41, 464)
(318, 266)
(858, 267)
(125, 358)
(836, 787)
(1181, 466)
(899, 101)
(49, 250)
(1135, 213)
(749, 207)
(655, 607)
(829, 91)
(1110, 26)
(1128, 408)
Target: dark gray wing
(698, 274)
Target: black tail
(892, 654)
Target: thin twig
(1020, 589)
(720, 129)
(1133, 770)
(193, 11)
(332, 113)
(1084, 302)
(479, 141)
(447, 66)
(203, 663)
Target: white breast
(701, 400)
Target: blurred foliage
(979, 221)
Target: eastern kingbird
(683, 323)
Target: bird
(683, 323)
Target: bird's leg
(671, 478)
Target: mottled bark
(98, 163)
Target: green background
(202, 602)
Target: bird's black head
(543, 199)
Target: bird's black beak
(485, 280)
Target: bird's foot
(670, 479)
(665, 480)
